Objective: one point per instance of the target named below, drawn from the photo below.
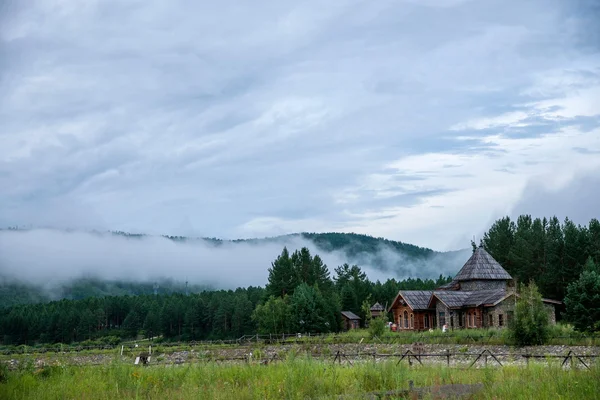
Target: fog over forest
(52, 257)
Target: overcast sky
(420, 121)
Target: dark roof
(482, 297)
(377, 307)
(482, 265)
(454, 285)
(451, 298)
(476, 298)
(350, 315)
(416, 299)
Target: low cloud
(52, 257)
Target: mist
(52, 257)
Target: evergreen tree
(309, 311)
(282, 276)
(552, 281)
(583, 299)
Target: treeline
(14, 292)
(546, 251)
(300, 296)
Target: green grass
(560, 334)
(295, 378)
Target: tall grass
(295, 378)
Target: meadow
(560, 334)
(293, 378)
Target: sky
(419, 121)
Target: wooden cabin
(350, 320)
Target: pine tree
(282, 276)
(583, 299)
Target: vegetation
(295, 378)
(314, 300)
(531, 323)
(583, 299)
(543, 250)
(301, 296)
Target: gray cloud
(578, 199)
(199, 118)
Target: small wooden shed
(377, 310)
(351, 320)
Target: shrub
(377, 327)
(531, 323)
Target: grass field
(294, 378)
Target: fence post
(448, 356)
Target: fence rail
(295, 338)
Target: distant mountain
(390, 258)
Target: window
(412, 321)
(490, 320)
(500, 320)
(442, 319)
(405, 319)
(426, 320)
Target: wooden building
(350, 320)
(377, 310)
(481, 295)
(411, 310)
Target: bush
(377, 327)
(531, 324)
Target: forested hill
(391, 259)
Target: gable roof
(416, 299)
(451, 298)
(350, 315)
(377, 307)
(482, 265)
(463, 298)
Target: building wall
(500, 312)
(439, 308)
(506, 309)
(483, 285)
(417, 322)
(473, 318)
(351, 323)
(399, 313)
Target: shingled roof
(350, 315)
(416, 299)
(377, 307)
(482, 265)
(451, 298)
(483, 297)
